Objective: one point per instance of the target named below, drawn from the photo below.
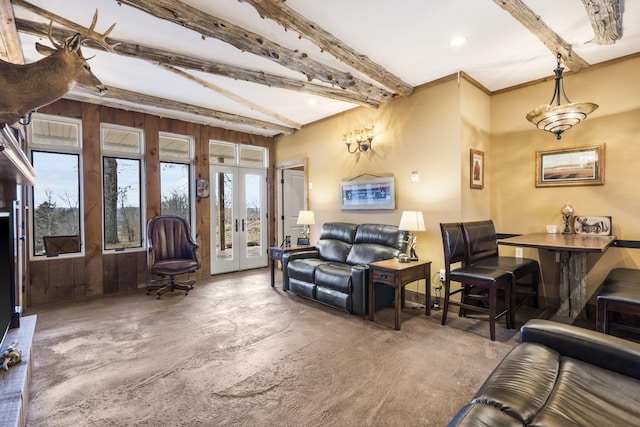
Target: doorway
(238, 223)
(292, 198)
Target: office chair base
(163, 288)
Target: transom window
(237, 154)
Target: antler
(94, 36)
(53, 42)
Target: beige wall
(432, 131)
(423, 133)
(519, 207)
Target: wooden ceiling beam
(10, 50)
(551, 40)
(136, 101)
(210, 26)
(279, 12)
(184, 61)
(606, 20)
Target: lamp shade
(412, 221)
(306, 218)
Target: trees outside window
(176, 158)
(122, 189)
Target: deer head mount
(26, 88)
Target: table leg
(273, 264)
(398, 304)
(563, 291)
(573, 284)
(578, 284)
(371, 297)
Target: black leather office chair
(171, 252)
(472, 280)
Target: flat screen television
(6, 272)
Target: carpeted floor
(236, 352)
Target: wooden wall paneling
(79, 278)
(141, 273)
(127, 271)
(126, 118)
(38, 283)
(92, 190)
(63, 107)
(110, 273)
(60, 280)
(152, 166)
(203, 205)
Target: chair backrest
(481, 240)
(169, 237)
(336, 239)
(452, 244)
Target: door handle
(243, 224)
(236, 225)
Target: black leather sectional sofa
(560, 375)
(336, 272)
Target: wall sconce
(362, 137)
(412, 221)
(559, 118)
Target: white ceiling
(410, 38)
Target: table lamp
(306, 218)
(412, 221)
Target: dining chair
(481, 243)
(479, 286)
(172, 252)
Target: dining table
(573, 250)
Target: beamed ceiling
(269, 67)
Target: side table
(277, 252)
(398, 274)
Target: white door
(239, 218)
(293, 201)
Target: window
(56, 216)
(122, 153)
(235, 154)
(176, 156)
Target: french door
(239, 218)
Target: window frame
(140, 157)
(64, 150)
(190, 161)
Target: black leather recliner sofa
(336, 272)
(560, 375)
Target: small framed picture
(476, 169)
(597, 225)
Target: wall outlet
(518, 252)
(442, 275)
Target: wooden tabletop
(563, 242)
(394, 264)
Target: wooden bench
(619, 293)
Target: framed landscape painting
(570, 166)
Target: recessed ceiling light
(457, 41)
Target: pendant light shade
(560, 117)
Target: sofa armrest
(606, 351)
(290, 256)
(360, 289)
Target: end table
(397, 275)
